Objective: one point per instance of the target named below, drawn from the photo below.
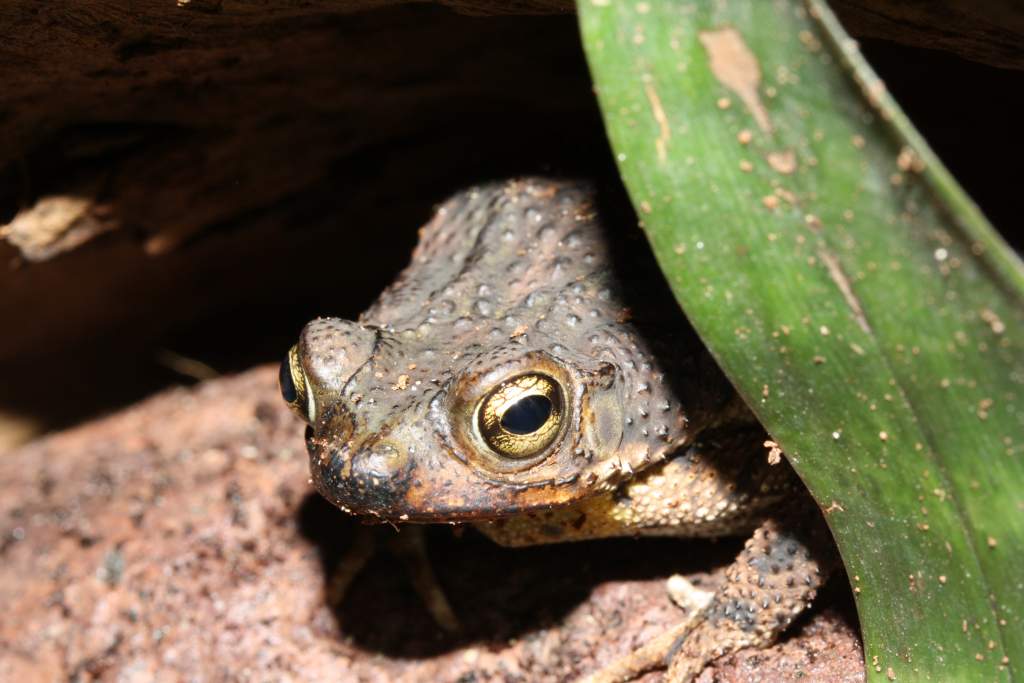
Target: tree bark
(988, 31)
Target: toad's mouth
(381, 481)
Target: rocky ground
(180, 540)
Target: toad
(530, 373)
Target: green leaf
(852, 292)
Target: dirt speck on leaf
(784, 162)
(835, 271)
(736, 67)
(664, 131)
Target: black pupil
(527, 415)
(284, 378)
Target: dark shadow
(497, 593)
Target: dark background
(106, 324)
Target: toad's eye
(521, 416)
(293, 385)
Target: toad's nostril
(381, 460)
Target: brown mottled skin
(523, 277)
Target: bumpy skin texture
(518, 278)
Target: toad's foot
(773, 580)
(409, 545)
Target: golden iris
(521, 416)
(292, 382)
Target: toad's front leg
(772, 581)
